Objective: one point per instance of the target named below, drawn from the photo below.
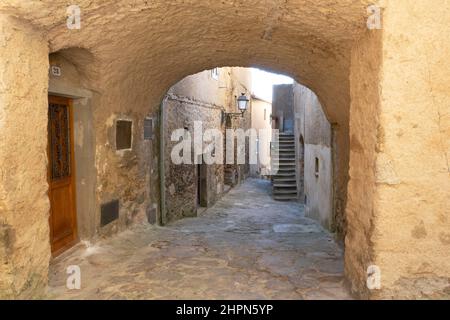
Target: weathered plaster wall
(411, 237)
(283, 106)
(129, 182)
(398, 158)
(24, 205)
(204, 88)
(313, 126)
(199, 98)
(130, 176)
(73, 84)
(398, 169)
(309, 40)
(181, 180)
(261, 120)
(366, 60)
(236, 173)
(152, 50)
(318, 187)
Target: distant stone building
(205, 97)
(284, 168)
(313, 136)
(299, 116)
(261, 120)
(282, 108)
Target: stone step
(285, 155)
(284, 164)
(288, 189)
(283, 135)
(284, 198)
(284, 182)
(285, 185)
(284, 143)
(283, 192)
(289, 141)
(285, 168)
(290, 159)
(275, 163)
(289, 156)
(285, 175)
(284, 179)
(286, 139)
(285, 171)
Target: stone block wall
(204, 99)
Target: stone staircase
(284, 182)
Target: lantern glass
(242, 102)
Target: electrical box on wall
(148, 128)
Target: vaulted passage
(384, 92)
(247, 246)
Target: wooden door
(61, 174)
(202, 174)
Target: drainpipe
(162, 173)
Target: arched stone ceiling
(151, 44)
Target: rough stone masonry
(386, 92)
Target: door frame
(75, 239)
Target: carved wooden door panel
(63, 222)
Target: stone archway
(384, 153)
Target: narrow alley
(247, 246)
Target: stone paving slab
(247, 246)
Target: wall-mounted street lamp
(242, 104)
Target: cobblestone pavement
(247, 246)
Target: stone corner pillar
(24, 204)
(398, 205)
(411, 235)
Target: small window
(123, 134)
(265, 114)
(148, 129)
(317, 167)
(215, 73)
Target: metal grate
(109, 212)
(59, 141)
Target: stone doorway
(61, 175)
